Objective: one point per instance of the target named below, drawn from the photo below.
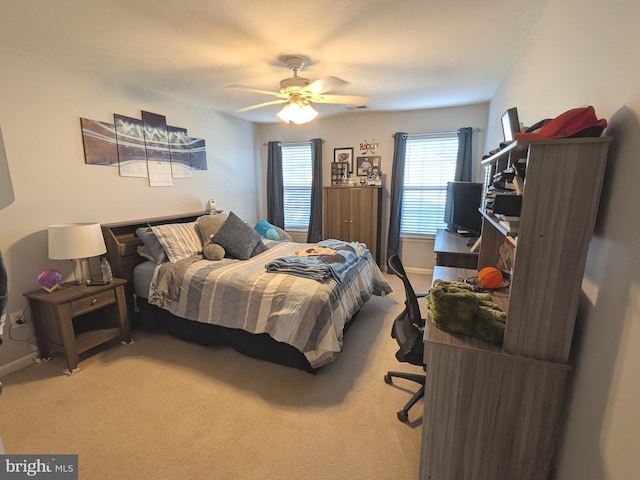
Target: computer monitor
(510, 124)
(461, 213)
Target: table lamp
(76, 242)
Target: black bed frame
(122, 243)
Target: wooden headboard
(122, 245)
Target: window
(297, 175)
(430, 163)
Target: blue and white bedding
(336, 265)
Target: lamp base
(81, 271)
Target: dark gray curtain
(397, 183)
(314, 233)
(275, 190)
(464, 162)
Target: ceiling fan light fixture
(298, 93)
(297, 111)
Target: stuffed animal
(266, 230)
(213, 251)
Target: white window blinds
(429, 164)
(297, 175)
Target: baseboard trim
(421, 271)
(18, 364)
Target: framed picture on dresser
(366, 165)
(344, 155)
(339, 173)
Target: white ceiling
(404, 54)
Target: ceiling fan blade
(260, 105)
(341, 99)
(258, 90)
(324, 85)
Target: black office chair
(408, 330)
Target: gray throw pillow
(153, 244)
(237, 238)
(260, 247)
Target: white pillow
(179, 240)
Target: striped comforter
(302, 312)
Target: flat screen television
(461, 212)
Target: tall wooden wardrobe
(353, 214)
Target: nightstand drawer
(93, 302)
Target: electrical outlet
(17, 318)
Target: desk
(451, 251)
(488, 414)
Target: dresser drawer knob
(94, 301)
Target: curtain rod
(409, 135)
(291, 143)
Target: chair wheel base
(403, 415)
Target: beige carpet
(162, 408)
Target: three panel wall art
(145, 147)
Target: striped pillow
(179, 240)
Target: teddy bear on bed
(213, 251)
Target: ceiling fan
(297, 93)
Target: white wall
(40, 108)
(586, 53)
(345, 132)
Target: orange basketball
(490, 277)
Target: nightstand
(76, 318)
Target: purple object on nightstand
(50, 279)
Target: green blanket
(456, 308)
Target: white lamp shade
(75, 240)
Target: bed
(261, 306)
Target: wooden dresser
(353, 214)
